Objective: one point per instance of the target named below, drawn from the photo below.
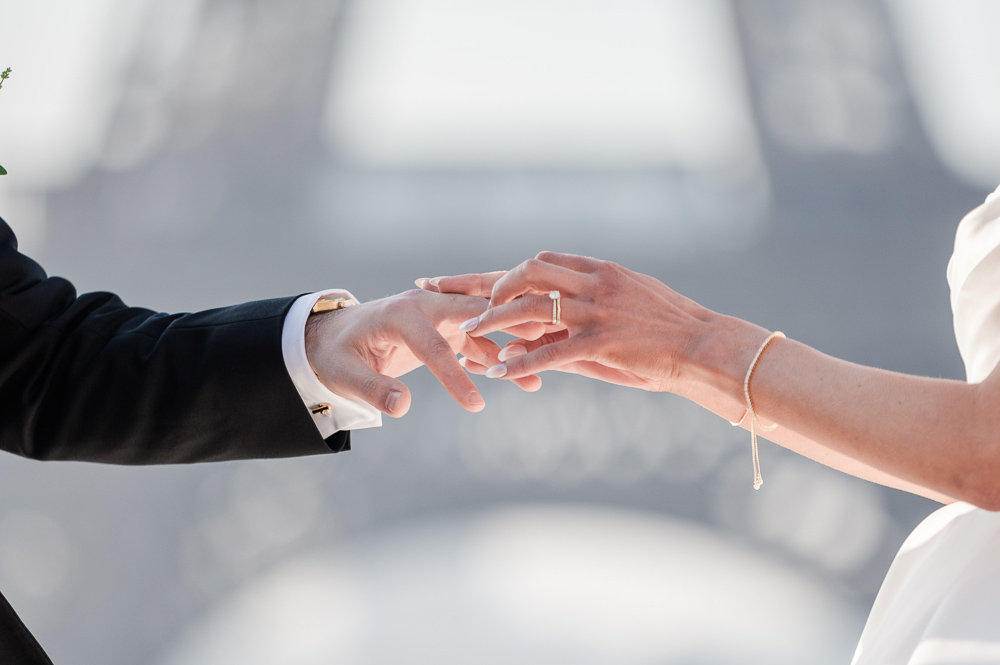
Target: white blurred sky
(541, 82)
(426, 82)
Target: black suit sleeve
(89, 378)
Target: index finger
(470, 284)
(439, 308)
(433, 350)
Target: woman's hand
(616, 324)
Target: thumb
(356, 379)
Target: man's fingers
(430, 348)
(471, 366)
(354, 378)
(472, 284)
(482, 350)
(439, 308)
(482, 353)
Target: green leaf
(3, 171)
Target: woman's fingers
(529, 309)
(537, 276)
(482, 353)
(519, 347)
(546, 357)
(531, 330)
(571, 261)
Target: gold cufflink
(321, 409)
(330, 303)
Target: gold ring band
(556, 307)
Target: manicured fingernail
(469, 325)
(475, 399)
(496, 371)
(462, 361)
(434, 282)
(511, 351)
(421, 282)
(392, 400)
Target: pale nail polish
(475, 399)
(496, 372)
(469, 325)
(421, 282)
(434, 282)
(462, 361)
(511, 351)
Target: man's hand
(358, 351)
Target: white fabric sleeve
(345, 413)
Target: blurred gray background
(799, 164)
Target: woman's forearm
(733, 410)
(935, 437)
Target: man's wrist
(330, 412)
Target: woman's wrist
(721, 353)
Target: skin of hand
(935, 437)
(608, 313)
(359, 351)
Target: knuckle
(603, 289)
(396, 306)
(608, 277)
(372, 386)
(412, 295)
(606, 269)
(600, 313)
(439, 347)
(547, 354)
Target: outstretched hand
(617, 325)
(359, 351)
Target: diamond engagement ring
(556, 307)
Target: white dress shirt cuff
(345, 413)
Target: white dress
(940, 601)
